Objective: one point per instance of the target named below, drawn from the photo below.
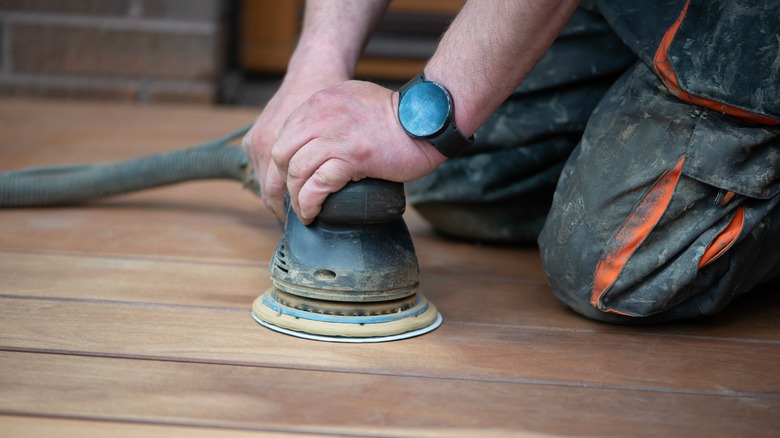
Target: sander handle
(367, 201)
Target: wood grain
(130, 316)
(477, 299)
(275, 399)
(485, 352)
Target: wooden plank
(38, 133)
(12, 426)
(152, 232)
(223, 396)
(443, 256)
(476, 299)
(456, 350)
(141, 280)
(146, 225)
(230, 283)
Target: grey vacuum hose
(64, 185)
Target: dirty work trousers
(646, 207)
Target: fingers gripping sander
(350, 276)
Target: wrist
(319, 66)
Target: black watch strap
(449, 141)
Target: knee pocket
(657, 262)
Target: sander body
(350, 276)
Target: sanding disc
(323, 321)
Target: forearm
(333, 36)
(488, 50)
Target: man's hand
(261, 137)
(341, 134)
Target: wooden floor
(130, 317)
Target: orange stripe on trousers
(725, 239)
(635, 230)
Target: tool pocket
(734, 157)
(724, 55)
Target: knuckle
(322, 95)
(321, 179)
(318, 99)
(277, 155)
(359, 152)
(246, 142)
(326, 104)
(248, 145)
(293, 171)
(331, 176)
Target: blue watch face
(424, 109)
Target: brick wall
(135, 50)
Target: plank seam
(148, 258)
(627, 332)
(514, 381)
(124, 303)
(173, 423)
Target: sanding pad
(346, 322)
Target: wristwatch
(425, 111)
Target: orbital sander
(350, 276)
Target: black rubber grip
(368, 201)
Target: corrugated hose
(74, 184)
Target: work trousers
(647, 207)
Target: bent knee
(645, 284)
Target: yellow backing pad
(419, 319)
